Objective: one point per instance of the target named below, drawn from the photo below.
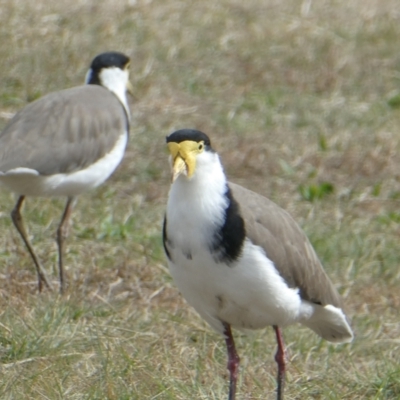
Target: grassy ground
(302, 100)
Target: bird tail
(330, 323)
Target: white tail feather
(330, 323)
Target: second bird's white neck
(115, 80)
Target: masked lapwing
(66, 143)
(239, 259)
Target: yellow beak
(183, 158)
(178, 167)
(129, 88)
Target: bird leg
(19, 224)
(281, 361)
(233, 360)
(62, 234)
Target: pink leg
(233, 361)
(280, 360)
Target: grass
(301, 101)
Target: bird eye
(200, 146)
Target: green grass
(301, 99)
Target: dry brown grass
(291, 93)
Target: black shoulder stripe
(165, 239)
(228, 241)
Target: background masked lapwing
(239, 259)
(67, 142)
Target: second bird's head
(111, 70)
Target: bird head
(111, 70)
(185, 147)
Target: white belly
(248, 294)
(25, 181)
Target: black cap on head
(188, 134)
(105, 60)
(109, 59)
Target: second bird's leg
(62, 234)
(19, 224)
(281, 361)
(233, 361)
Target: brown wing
(272, 228)
(63, 131)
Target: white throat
(196, 206)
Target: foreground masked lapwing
(239, 259)
(66, 143)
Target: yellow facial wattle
(183, 158)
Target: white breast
(247, 294)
